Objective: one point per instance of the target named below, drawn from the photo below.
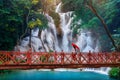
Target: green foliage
(37, 20)
(42, 58)
(116, 37)
(80, 12)
(106, 8)
(71, 5)
(35, 2)
(35, 23)
(10, 25)
(109, 10)
(115, 73)
(14, 20)
(51, 51)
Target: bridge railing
(54, 58)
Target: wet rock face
(89, 42)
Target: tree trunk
(41, 40)
(90, 6)
(26, 24)
(30, 38)
(30, 28)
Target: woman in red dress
(75, 47)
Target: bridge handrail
(45, 58)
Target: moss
(56, 18)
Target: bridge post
(55, 57)
(29, 57)
(62, 57)
(89, 57)
(74, 58)
(80, 58)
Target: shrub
(115, 73)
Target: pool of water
(52, 75)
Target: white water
(87, 40)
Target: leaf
(38, 22)
(31, 24)
(35, 2)
(35, 23)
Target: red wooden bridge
(46, 60)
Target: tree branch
(90, 6)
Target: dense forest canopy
(17, 16)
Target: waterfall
(87, 40)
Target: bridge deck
(45, 60)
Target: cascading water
(87, 40)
